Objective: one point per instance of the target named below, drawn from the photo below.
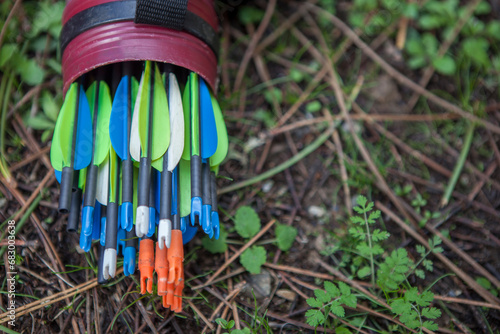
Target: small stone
(286, 294)
(266, 187)
(316, 211)
(3, 201)
(260, 284)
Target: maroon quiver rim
(101, 32)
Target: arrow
(216, 159)
(119, 130)
(192, 145)
(153, 128)
(208, 134)
(110, 250)
(171, 159)
(98, 94)
(72, 141)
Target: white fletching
(176, 147)
(135, 141)
(101, 194)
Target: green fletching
(223, 144)
(186, 154)
(102, 141)
(82, 178)
(113, 170)
(161, 118)
(194, 114)
(63, 132)
(158, 164)
(185, 187)
(161, 121)
(144, 109)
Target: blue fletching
(96, 230)
(208, 128)
(83, 148)
(58, 174)
(188, 235)
(119, 119)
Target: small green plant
(369, 244)
(247, 224)
(329, 300)
(412, 308)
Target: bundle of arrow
(138, 142)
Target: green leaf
(492, 29)
(349, 300)
(420, 273)
(425, 298)
(420, 250)
(253, 258)
(6, 53)
(373, 215)
(314, 302)
(444, 65)
(285, 236)
(273, 94)
(364, 272)
(411, 294)
(250, 14)
(30, 72)
(315, 317)
(247, 222)
(337, 310)
(477, 50)
(215, 246)
(49, 106)
(431, 313)
(48, 19)
(313, 106)
(323, 296)
(40, 122)
(331, 289)
(483, 8)
(417, 62)
(410, 10)
(429, 21)
(400, 306)
(430, 325)
(361, 200)
(296, 75)
(379, 235)
(415, 47)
